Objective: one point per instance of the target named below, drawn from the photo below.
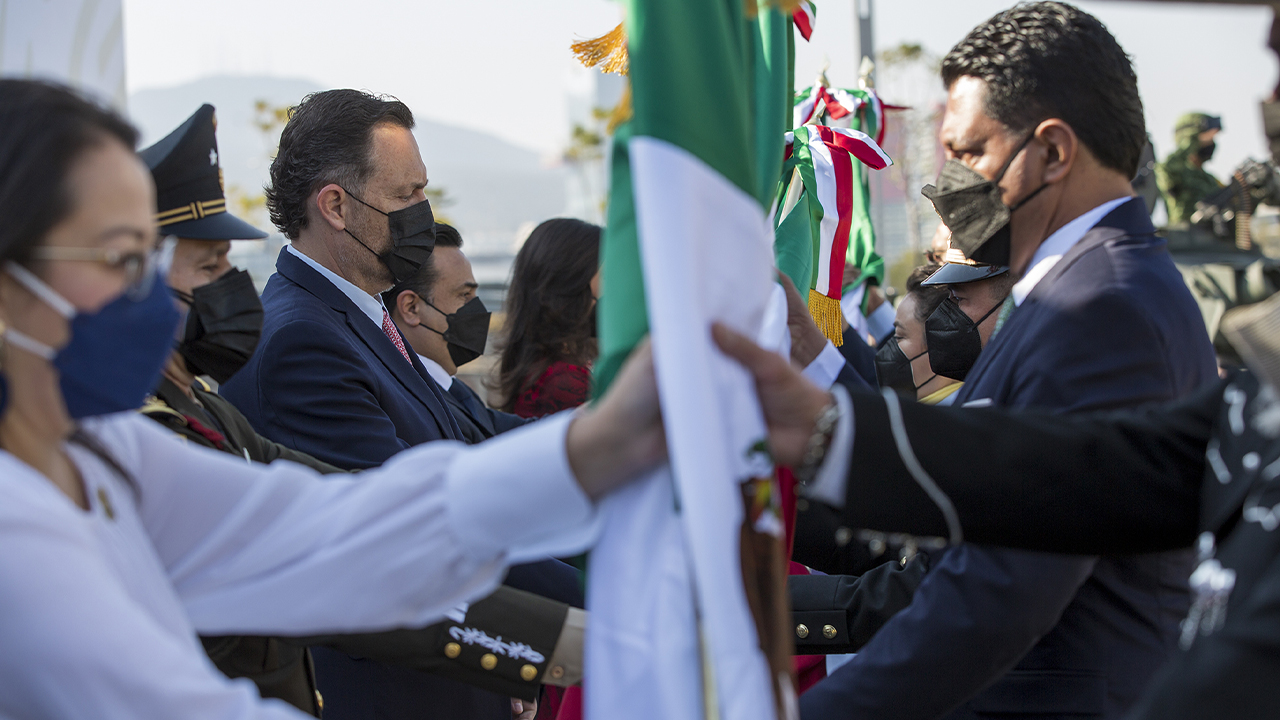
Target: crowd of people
(224, 505)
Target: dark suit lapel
(467, 398)
(471, 429)
(1129, 219)
(412, 376)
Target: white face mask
(49, 296)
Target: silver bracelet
(823, 430)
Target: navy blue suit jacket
(478, 421)
(993, 631)
(326, 380)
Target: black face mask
(467, 332)
(223, 325)
(971, 207)
(413, 237)
(953, 339)
(893, 369)
(1205, 151)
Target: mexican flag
(858, 109)
(822, 217)
(685, 586)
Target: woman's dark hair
(550, 312)
(1052, 60)
(327, 140)
(44, 129)
(928, 297)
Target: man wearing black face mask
(447, 325)
(332, 376)
(1043, 130)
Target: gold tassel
(622, 111)
(609, 51)
(827, 316)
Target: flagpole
(863, 12)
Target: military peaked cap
(188, 179)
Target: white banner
(77, 42)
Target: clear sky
(503, 66)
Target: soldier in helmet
(1182, 176)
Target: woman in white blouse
(119, 543)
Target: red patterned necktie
(394, 335)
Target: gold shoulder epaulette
(155, 406)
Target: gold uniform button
(802, 631)
(319, 701)
(452, 650)
(557, 672)
(828, 631)
(528, 673)
(488, 661)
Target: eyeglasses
(140, 268)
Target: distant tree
(585, 155)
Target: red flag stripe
(859, 144)
(844, 207)
(803, 18)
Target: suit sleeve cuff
(831, 482)
(515, 495)
(825, 368)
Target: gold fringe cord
(826, 314)
(609, 51)
(622, 111)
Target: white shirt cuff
(825, 368)
(515, 494)
(880, 323)
(831, 482)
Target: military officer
(1182, 177)
(224, 319)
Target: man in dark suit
(1203, 470)
(445, 325)
(332, 376)
(439, 313)
(1103, 320)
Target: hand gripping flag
(686, 586)
(821, 204)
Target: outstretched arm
(1098, 483)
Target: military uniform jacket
(175, 410)
(1202, 470)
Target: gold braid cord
(827, 316)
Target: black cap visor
(957, 273)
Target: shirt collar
(437, 373)
(1057, 245)
(370, 305)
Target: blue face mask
(115, 356)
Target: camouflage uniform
(1182, 183)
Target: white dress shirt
(827, 366)
(101, 608)
(370, 305)
(437, 373)
(1057, 245)
(830, 482)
